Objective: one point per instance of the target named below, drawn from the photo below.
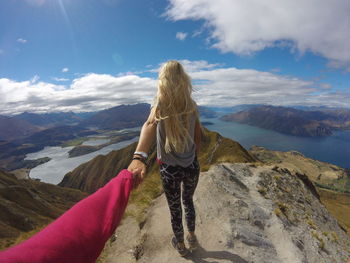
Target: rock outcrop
(245, 213)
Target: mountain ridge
(293, 121)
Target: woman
(174, 123)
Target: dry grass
(338, 204)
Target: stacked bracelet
(140, 159)
(143, 154)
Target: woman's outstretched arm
(80, 234)
(147, 138)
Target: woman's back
(175, 158)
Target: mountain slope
(123, 116)
(12, 128)
(26, 205)
(49, 119)
(322, 174)
(239, 222)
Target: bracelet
(143, 160)
(143, 154)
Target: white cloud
(247, 26)
(65, 69)
(59, 79)
(34, 79)
(181, 36)
(190, 66)
(214, 85)
(86, 93)
(21, 40)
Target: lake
(54, 170)
(333, 149)
(95, 142)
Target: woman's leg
(171, 180)
(190, 182)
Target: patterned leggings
(172, 176)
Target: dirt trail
(235, 223)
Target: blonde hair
(174, 106)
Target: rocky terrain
(245, 213)
(332, 182)
(325, 175)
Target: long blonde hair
(174, 106)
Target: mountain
(207, 112)
(120, 117)
(13, 128)
(28, 205)
(233, 109)
(287, 120)
(91, 175)
(49, 119)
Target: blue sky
(86, 55)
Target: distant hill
(290, 121)
(207, 112)
(28, 205)
(12, 128)
(120, 117)
(233, 109)
(50, 119)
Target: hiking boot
(182, 251)
(192, 242)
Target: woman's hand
(138, 169)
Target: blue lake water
(54, 170)
(333, 149)
(95, 142)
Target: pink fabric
(80, 233)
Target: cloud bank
(90, 92)
(214, 85)
(247, 26)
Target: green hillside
(28, 205)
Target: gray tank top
(173, 158)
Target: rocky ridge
(245, 213)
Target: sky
(88, 55)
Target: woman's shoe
(182, 251)
(192, 242)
